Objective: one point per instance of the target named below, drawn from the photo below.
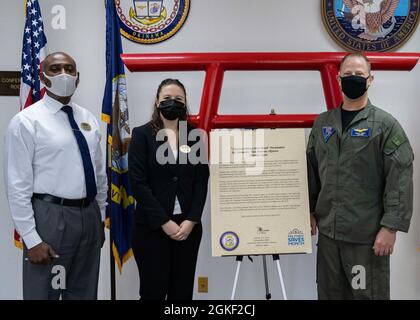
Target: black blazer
(155, 185)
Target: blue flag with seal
(120, 209)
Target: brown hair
(156, 122)
(356, 55)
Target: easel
(276, 258)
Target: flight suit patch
(365, 132)
(398, 140)
(327, 132)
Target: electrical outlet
(203, 284)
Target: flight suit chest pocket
(363, 148)
(362, 138)
(358, 146)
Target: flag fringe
(117, 258)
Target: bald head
(59, 61)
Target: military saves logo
(370, 25)
(151, 21)
(296, 238)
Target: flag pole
(111, 240)
(112, 266)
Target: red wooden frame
(215, 64)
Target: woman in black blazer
(170, 189)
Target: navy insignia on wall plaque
(151, 21)
(370, 25)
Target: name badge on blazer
(185, 149)
(85, 126)
(364, 133)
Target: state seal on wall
(370, 25)
(151, 21)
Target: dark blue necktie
(84, 152)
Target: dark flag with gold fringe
(120, 207)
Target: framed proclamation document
(259, 192)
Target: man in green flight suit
(360, 171)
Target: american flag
(33, 53)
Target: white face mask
(62, 85)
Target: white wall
(216, 25)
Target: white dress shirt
(42, 156)
(177, 207)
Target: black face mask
(354, 86)
(172, 109)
